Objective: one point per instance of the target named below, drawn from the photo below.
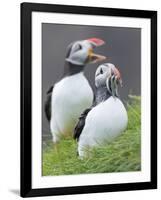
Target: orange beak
(94, 58)
(117, 73)
(96, 41)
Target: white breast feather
(70, 97)
(103, 123)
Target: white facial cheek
(104, 76)
(84, 54)
(77, 56)
(108, 73)
(97, 81)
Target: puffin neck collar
(72, 69)
(102, 94)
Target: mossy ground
(122, 155)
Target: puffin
(70, 96)
(107, 118)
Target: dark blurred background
(123, 49)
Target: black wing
(48, 103)
(80, 125)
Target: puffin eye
(79, 47)
(101, 71)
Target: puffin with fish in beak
(107, 117)
(69, 97)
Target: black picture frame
(26, 104)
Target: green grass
(122, 155)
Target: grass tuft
(122, 155)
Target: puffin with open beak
(107, 117)
(67, 99)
